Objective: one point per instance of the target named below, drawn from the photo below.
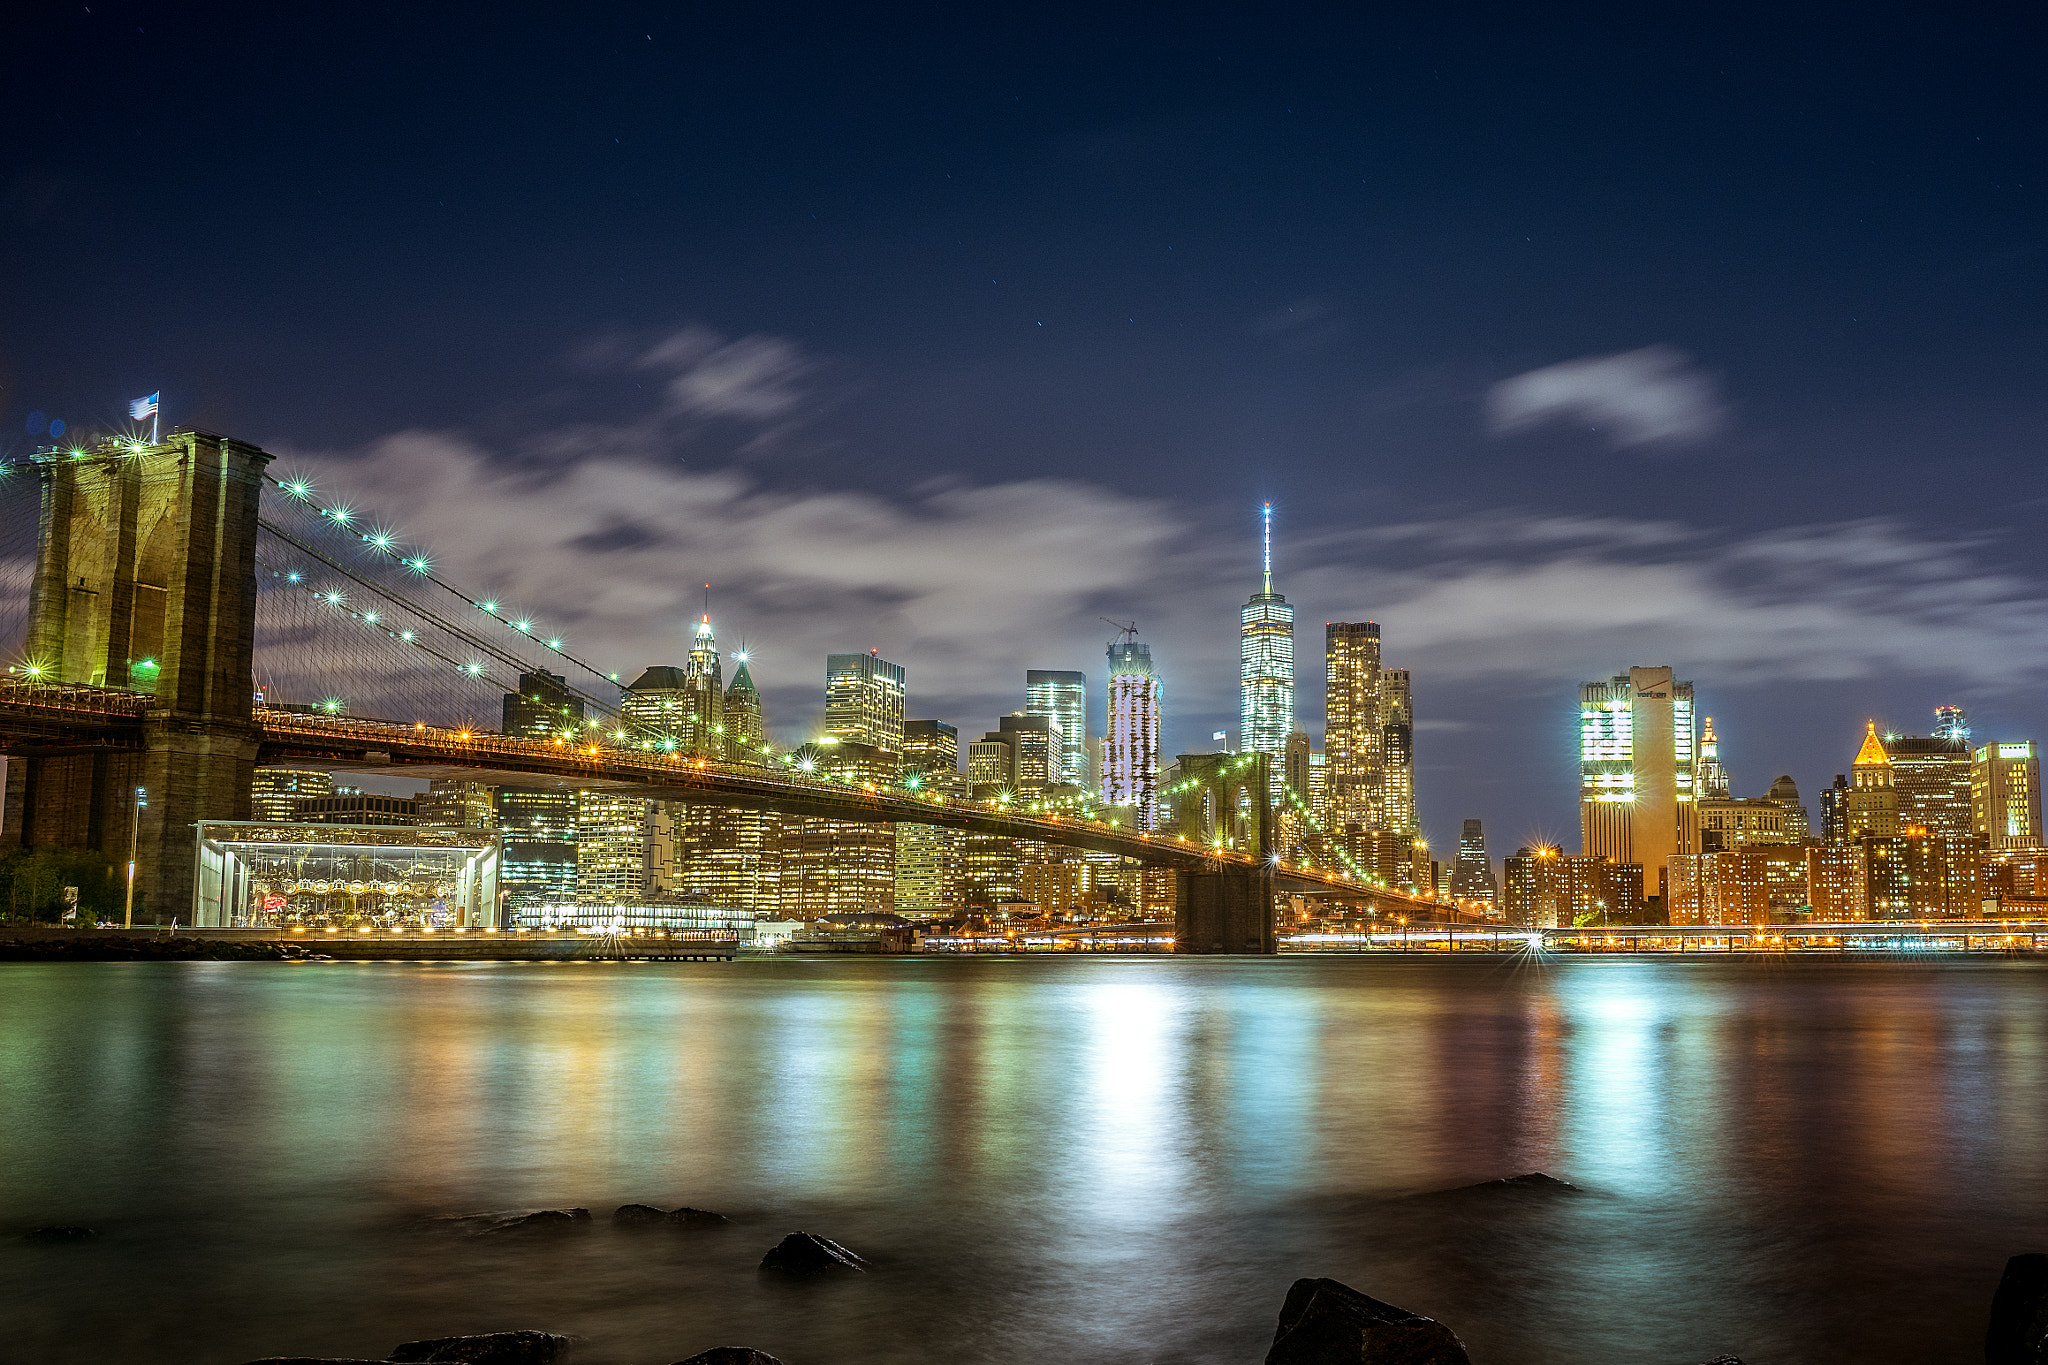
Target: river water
(1047, 1160)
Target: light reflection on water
(1100, 1160)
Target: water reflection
(1093, 1160)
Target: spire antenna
(1267, 556)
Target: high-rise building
(746, 726)
(1354, 738)
(682, 709)
(1728, 822)
(457, 803)
(864, 700)
(1636, 749)
(1919, 874)
(538, 865)
(1397, 753)
(1544, 888)
(1318, 793)
(929, 875)
(611, 847)
(1130, 748)
(1932, 777)
(2005, 794)
(1834, 812)
(1266, 670)
(1950, 722)
(1872, 804)
(1035, 742)
(723, 856)
(544, 707)
(276, 792)
(1785, 792)
(1472, 881)
(991, 767)
(1061, 696)
(1712, 776)
(1763, 884)
(833, 866)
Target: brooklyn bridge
(184, 616)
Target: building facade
(539, 830)
(2005, 794)
(1061, 696)
(1871, 805)
(1397, 753)
(1472, 880)
(1636, 751)
(864, 700)
(276, 792)
(1932, 776)
(1354, 736)
(1130, 748)
(1266, 671)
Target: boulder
(1534, 1180)
(314, 1360)
(638, 1215)
(803, 1253)
(60, 1233)
(541, 1220)
(1327, 1323)
(2018, 1334)
(701, 1218)
(488, 1348)
(731, 1355)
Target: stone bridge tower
(1225, 799)
(146, 581)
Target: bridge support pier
(1227, 911)
(146, 580)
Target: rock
(701, 1218)
(60, 1233)
(314, 1360)
(1327, 1323)
(802, 1253)
(1534, 1180)
(1725, 1360)
(731, 1355)
(2018, 1334)
(488, 1348)
(638, 1215)
(543, 1220)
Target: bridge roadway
(45, 720)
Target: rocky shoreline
(86, 945)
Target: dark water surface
(1048, 1160)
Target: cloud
(1649, 397)
(752, 379)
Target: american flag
(143, 407)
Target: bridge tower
(146, 581)
(1223, 800)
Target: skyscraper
(1035, 743)
(1932, 777)
(1713, 778)
(276, 792)
(1061, 696)
(611, 847)
(539, 823)
(1397, 753)
(1636, 771)
(1266, 669)
(2005, 794)
(1834, 811)
(1130, 749)
(864, 700)
(1354, 739)
(1951, 722)
(1472, 880)
(544, 707)
(1872, 807)
(1785, 792)
(746, 725)
(928, 865)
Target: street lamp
(134, 829)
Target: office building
(276, 792)
(1950, 722)
(929, 873)
(1266, 670)
(2005, 794)
(456, 803)
(1318, 794)
(1871, 807)
(1039, 757)
(1636, 791)
(544, 707)
(1712, 777)
(837, 866)
(746, 725)
(991, 767)
(538, 826)
(611, 846)
(1931, 775)
(864, 700)
(1834, 812)
(1061, 697)
(1728, 822)
(1354, 738)
(1543, 888)
(682, 710)
(1785, 792)
(1472, 881)
(1397, 753)
(1130, 746)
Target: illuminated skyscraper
(1872, 808)
(1932, 777)
(1130, 750)
(1266, 669)
(539, 823)
(1636, 748)
(928, 862)
(1061, 696)
(746, 727)
(1950, 722)
(1354, 740)
(1472, 880)
(543, 708)
(1039, 757)
(2005, 794)
(276, 792)
(1786, 793)
(864, 700)
(1397, 753)
(1713, 778)
(611, 847)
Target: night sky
(1561, 340)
